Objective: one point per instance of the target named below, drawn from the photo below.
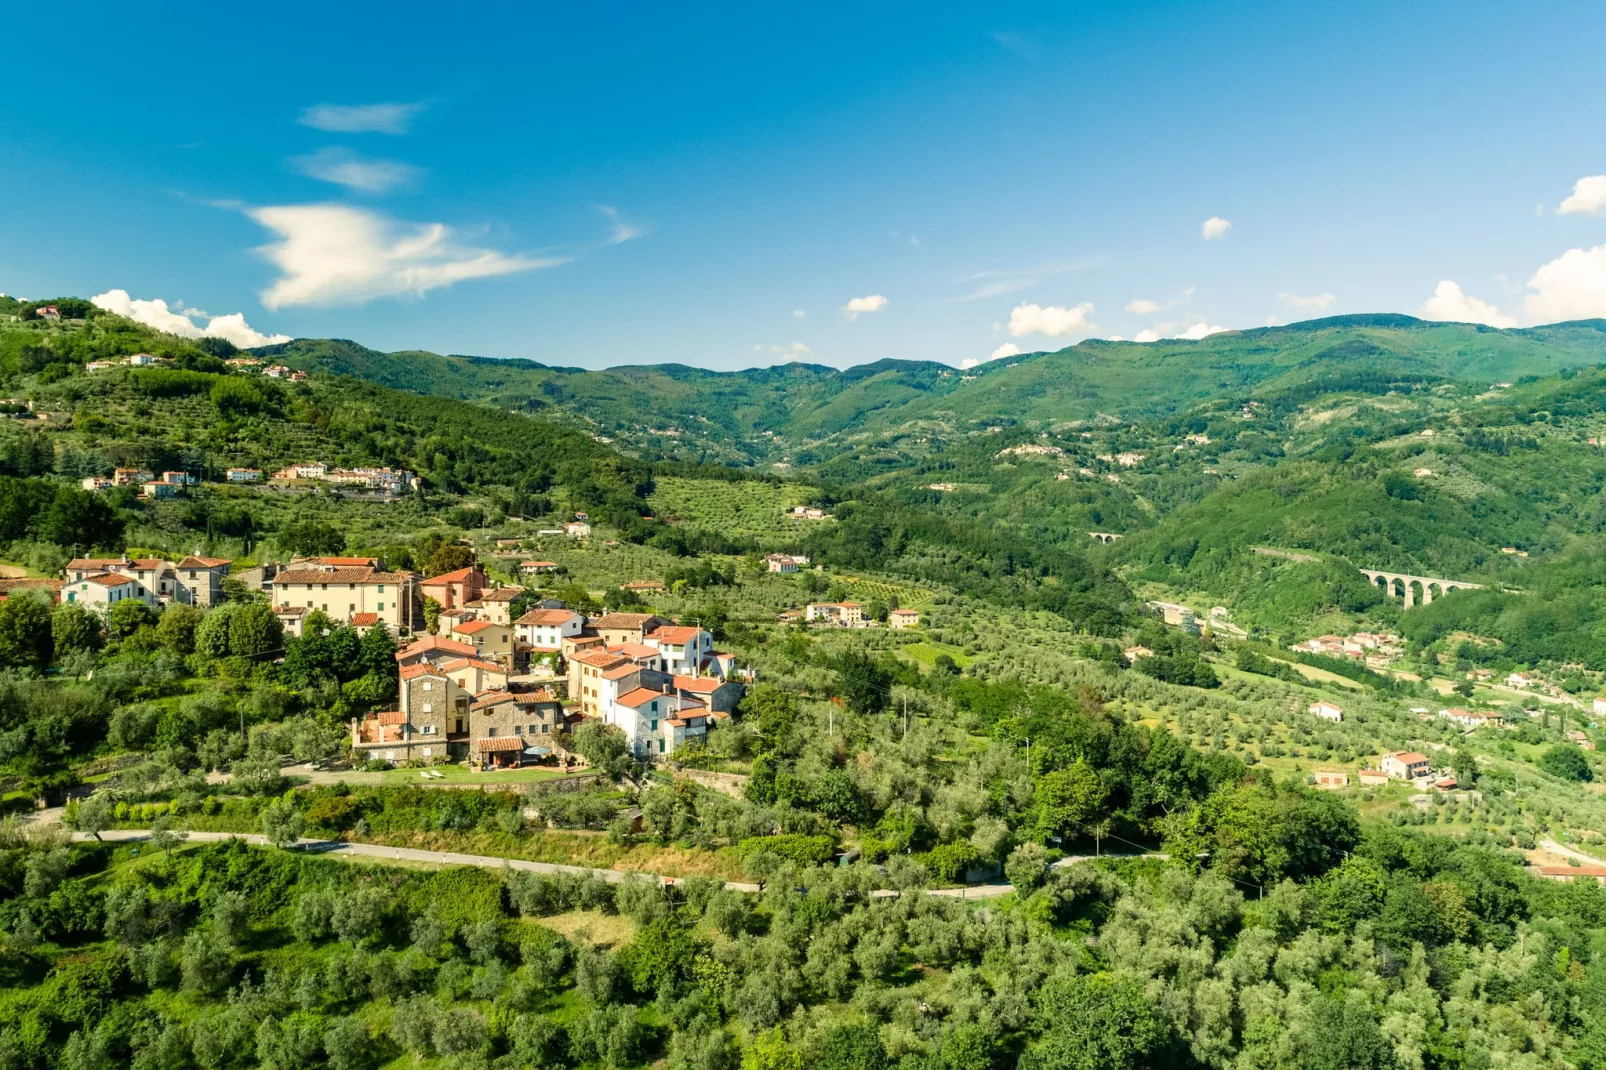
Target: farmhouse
(1406, 765)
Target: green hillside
(805, 414)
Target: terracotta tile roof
(675, 633)
(22, 583)
(434, 642)
(193, 561)
(339, 574)
(474, 627)
(425, 669)
(79, 564)
(621, 671)
(488, 699)
(640, 697)
(598, 659)
(702, 685)
(366, 562)
(291, 611)
(624, 620)
(364, 620)
(635, 650)
(474, 663)
(500, 743)
(457, 576)
(1411, 757)
(108, 579)
(391, 717)
(547, 616)
(501, 594)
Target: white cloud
(1214, 227)
(798, 313)
(1008, 349)
(623, 230)
(795, 350)
(345, 168)
(1449, 304)
(156, 313)
(1200, 330)
(1296, 301)
(1053, 320)
(361, 118)
(1570, 287)
(335, 254)
(1588, 197)
(1146, 335)
(1143, 306)
(870, 303)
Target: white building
(545, 629)
(1327, 711)
(684, 648)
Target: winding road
(347, 849)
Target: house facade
(454, 589)
(1406, 765)
(618, 628)
(684, 648)
(343, 591)
(507, 729)
(545, 629)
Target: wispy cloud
(870, 303)
(1200, 330)
(1019, 44)
(392, 118)
(998, 283)
(346, 168)
(622, 230)
(336, 254)
(176, 319)
(1322, 300)
(997, 288)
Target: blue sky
(734, 185)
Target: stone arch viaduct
(1104, 536)
(1398, 584)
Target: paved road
(409, 854)
(452, 858)
(1567, 852)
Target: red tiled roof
(674, 633)
(457, 576)
(488, 699)
(364, 620)
(425, 669)
(82, 563)
(22, 583)
(434, 642)
(367, 562)
(473, 627)
(547, 616)
(621, 671)
(475, 663)
(338, 574)
(291, 611)
(624, 620)
(635, 650)
(598, 659)
(501, 594)
(1411, 757)
(108, 579)
(391, 717)
(640, 697)
(192, 561)
(500, 743)
(703, 685)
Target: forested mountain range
(805, 413)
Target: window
(427, 730)
(429, 707)
(381, 591)
(352, 586)
(490, 733)
(381, 607)
(518, 730)
(323, 586)
(655, 726)
(428, 685)
(545, 729)
(660, 746)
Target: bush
(794, 847)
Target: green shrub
(794, 847)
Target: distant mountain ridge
(805, 413)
